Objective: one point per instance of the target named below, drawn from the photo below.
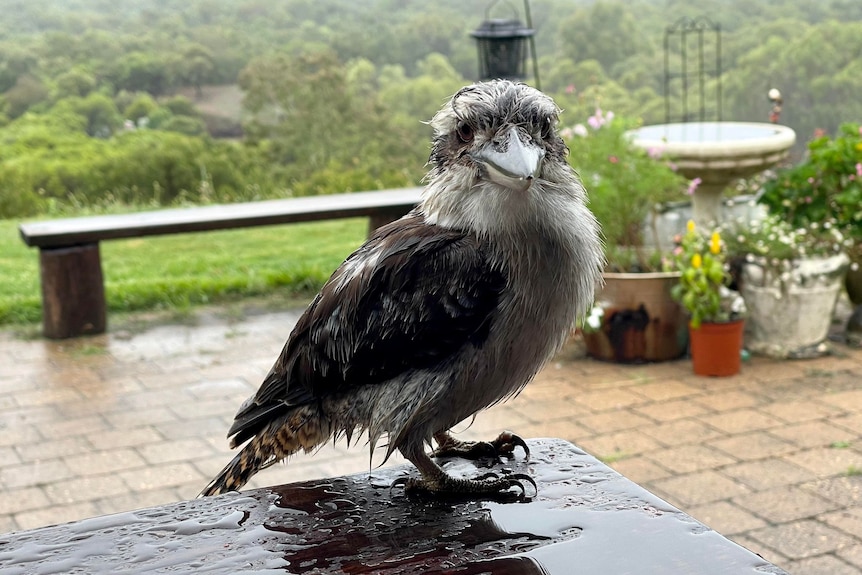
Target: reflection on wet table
(586, 518)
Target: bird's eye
(465, 133)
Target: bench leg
(73, 293)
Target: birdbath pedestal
(717, 153)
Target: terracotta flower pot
(715, 348)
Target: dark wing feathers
(429, 292)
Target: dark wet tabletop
(586, 519)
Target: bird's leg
(437, 483)
(503, 446)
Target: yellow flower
(715, 243)
(859, 147)
(690, 225)
(696, 261)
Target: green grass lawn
(178, 271)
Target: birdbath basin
(717, 153)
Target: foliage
(702, 288)
(624, 183)
(825, 188)
(774, 239)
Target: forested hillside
(136, 102)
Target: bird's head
(495, 142)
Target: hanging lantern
(502, 47)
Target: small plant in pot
(715, 311)
(635, 319)
(791, 279)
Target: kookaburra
(449, 310)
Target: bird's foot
(503, 446)
(509, 487)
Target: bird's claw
(503, 446)
(487, 486)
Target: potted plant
(634, 318)
(826, 186)
(715, 312)
(790, 279)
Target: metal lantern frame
(502, 45)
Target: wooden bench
(586, 518)
(73, 293)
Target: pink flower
(570, 89)
(859, 167)
(693, 186)
(580, 130)
(654, 152)
(613, 159)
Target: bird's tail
(303, 430)
(251, 459)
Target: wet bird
(447, 311)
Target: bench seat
(73, 298)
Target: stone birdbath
(718, 153)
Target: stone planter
(639, 320)
(789, 314)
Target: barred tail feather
(241, 468)
(303, 429)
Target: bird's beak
(516, 166)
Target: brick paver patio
(771, 458)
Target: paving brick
(55, 515)
(852, 554)
(846, 491)
(825, 461)
(851, 422)
(139, 417)
(755, 445)
(83, 489)
(741, 421)
(175, 450)
(801, 539)
(812, 434)
(127, 501)
(821, 565)
(34, 473)
(105, 462)
(727, 401)
(843, 399)
(848, 520)
(8, 457)
(53, 448)
(60, 428)
(784, 504)
(565, 429)
(698, 488)
(609, 399)
(688, 458)
(799, 411)
(118, 438)
(681, 432)
(671, 410)
(25, 499)
(726, 518)
(639, 469)
(613, 421)
(613, 445)
(768, 473)
(665, 390)
(162, 476)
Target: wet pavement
(771, 458)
